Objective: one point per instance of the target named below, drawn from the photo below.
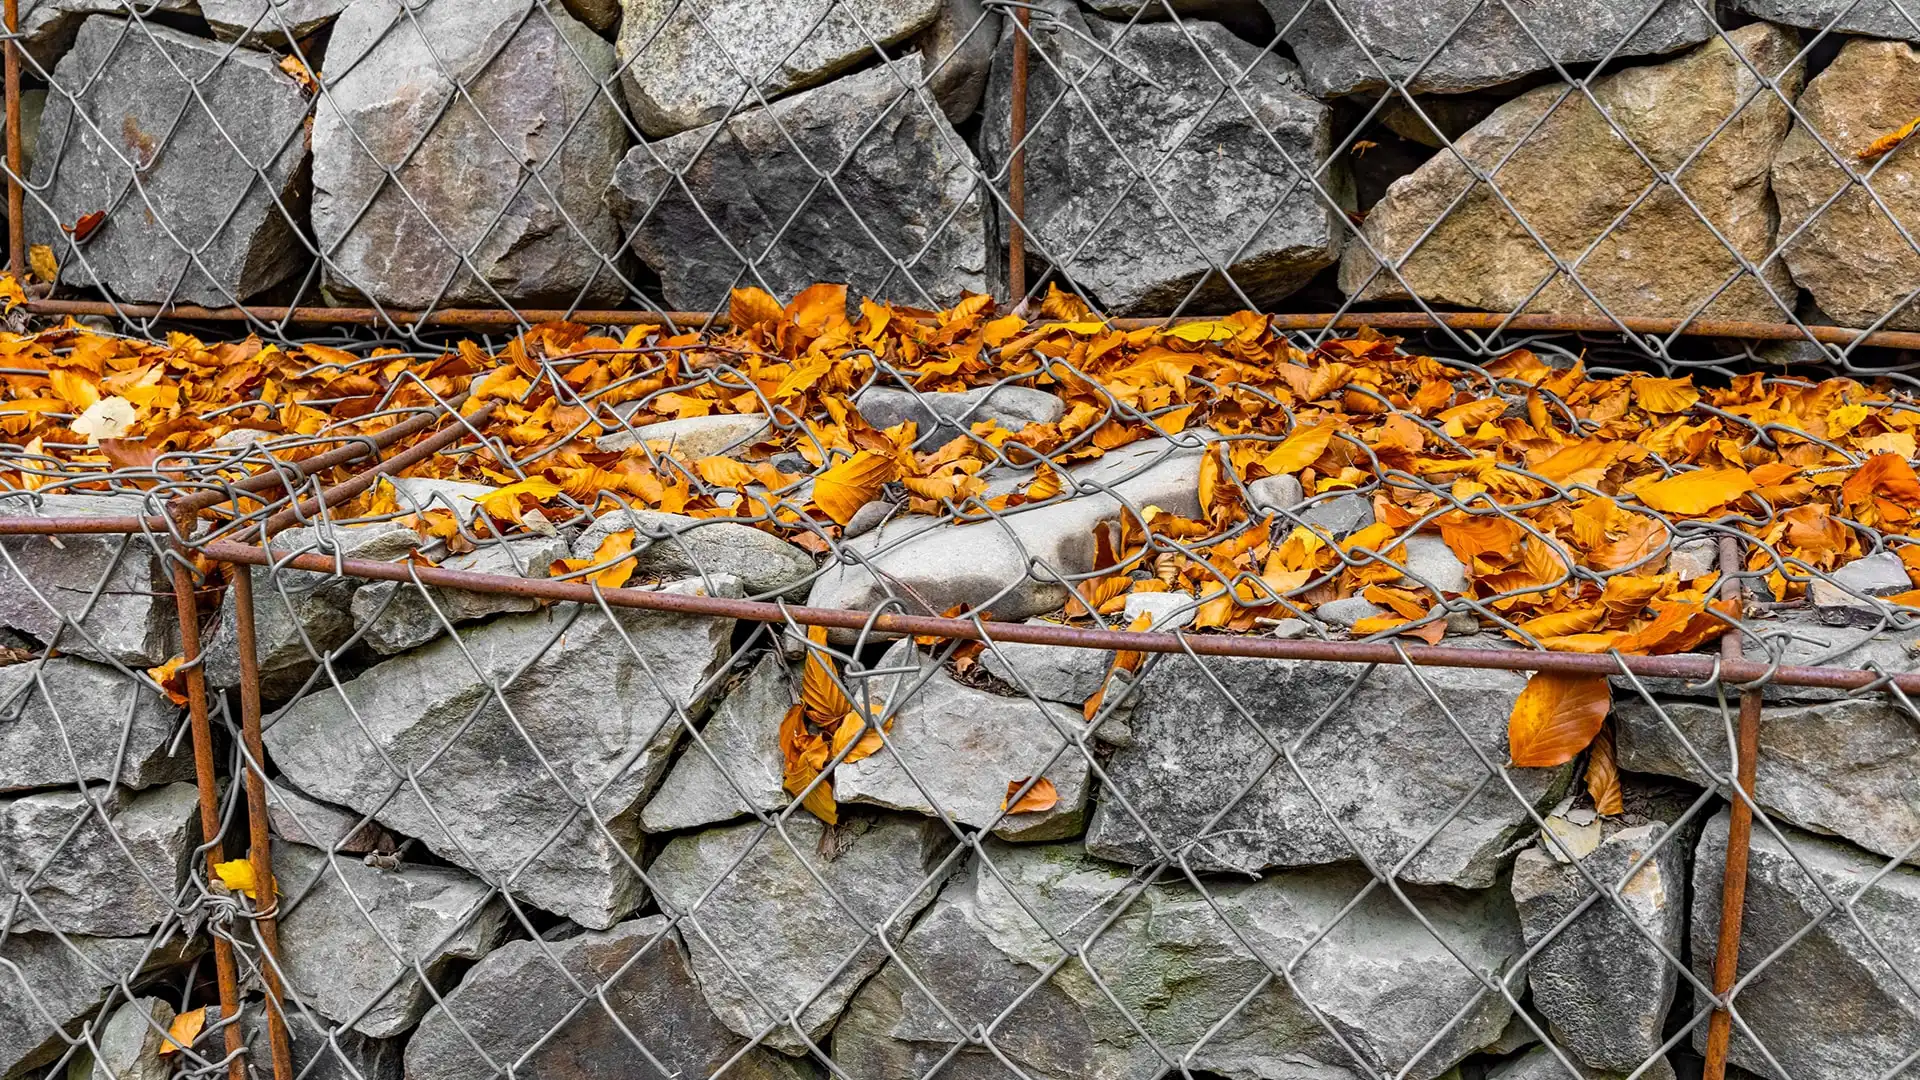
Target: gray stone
(1843, 597)
(1222, 185)
(52, 983)
(1291, 629)
(940, 417)
(1828, 1007)
(1388, 766)
(211, 220)
(393, 617)
(355, 939)
(1432, 566)
(1165, 611)
(1798, 642)
(1347, 613)
(484, 232)
(269, 24)
(681, 70)
(422, 494)
(48, 27)
(675, 546)
(1849, 768)
(523, 998)
(1604, 981)
(110, 869)
(700, 204)
(1247, 18)
(128, 1048)
(869, 517)
(321, 1051)
(1872, 18)
(296, 612)
(1694, 558)
(736, 766)
(1171, 964)
(65, 720)
(300, 820)
(1338, 517)
(602, 15)
(954, 750)
(1540, 1063)
(1283, 492)
(690, 438)
(44, 579)
(1451, 114)
(767, 936)
(1579, 187)
(494, 800)
(1396, 42)
(1015, 565)
(1048, 672)
(957, 51)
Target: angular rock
(82, 875)
(689, 438)
(602, 15)
(66, 720)
(1347, 613)
(354, 937)
(48, 27)
(1281, 492)
(1845, 596)
(1395, 42)
(471, 226)
(1694, 558)
(1388, 765)
(1799, 641)
(269, 24)
(697, 205)
(218, 139)
(131, 621)
(957, 51)
(1165, 611)
(740, 769)
(423, 494)
(52, 984)
(1223, 184)
(296, 612)
(1432, 566)
(1441, 117)
(675, 546)
(1175, 963)
(1338, 517)
(953, 751)
(1850, 255)
(1870, 18)
(1247, 18)
(1827, 1008)
(1849, 768)
(523, 996)
(1048, 672)
(393, 617)
(1540, 1063)
(321, 1051)
(1019, 561)
(1572, 180)
(940, 417)
(682, 69)
(491, 805)
(300, 820)
(769, 937)
(128, 1048)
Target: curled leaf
(852, 484)
(617, 565)
(1040, 797)
(237, 874)
(186, 1027)
(1556, 717)
(1603, 776)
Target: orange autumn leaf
(842, 490)
(723, 472)
(1885, 475)
(1040, 797)
(186, 1027)
(820, 691)
(1886, 143)
(1603, 777)
(1300, 450)
(1556, 717)
(1701, 491)
(170, 680)
(612, 556)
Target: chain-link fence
(472, 604)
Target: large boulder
(114, 587)
(1703, 118)
(677, 546)
(392, 616)
(735, 766)
(683, 67)
(1147, 176)
(1838, 1002)
(1871, 18)
(534, 1002)
(111, 868)
(356, 940)
(904, 218)
(53, 983)
(1848, 252)
(783, 931)
(65, 720)
(1203, 779)
(1158, 966)
(503, 138)
(499, 751)
(1453, 46)
(216, 142)
(269, 24)
(48, 27)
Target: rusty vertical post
(1733, 886)
(1017, 165)
(188, 608)
(16, 195)
(260, 847)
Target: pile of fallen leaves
(1561, 492)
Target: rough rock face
(396, 617)
(740, 769)
(203, 227)
(939, 417)
(676, 546)
(780, 941)
(485, 232)
(1573, 177)
(319, 1052)
(48, 27)
(1540, 1063)
(1388, 765)
(131, 620)
(1178, 965)
(895, 159)
(301, 820)
(688, 438)
(83, 875)
(957, 51)
(63, 712)
(63, 981)
(1851, 257)
(354, 937)
(491, 805)
(523, 995)
(1385, 41)
(1871, 18)
(1222, 192)
(129, 1045)
(268, 24)
(1828, 1008)
(683, 68)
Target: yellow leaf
(186, 1027)
(820, 692)
(854, 726)
(1203, 331)
(612, 556)
(852, 484)
(723, 472)
(1301, 449)
(752, 307)
(45, 267)
(237, 874)
(1042, 796)
(1887, 142)
(108, 418)
(168, 676)
(1665, 395)
(1699, 492)
(1555, 717)
(504, 503)
(1603, 777)
(11, 292)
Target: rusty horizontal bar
(368, 316)
(1690, 666)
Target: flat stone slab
(65, 720)
(111, 869)
(939, 416)
(62, 982)
(131, 620)
(297, 819)
(269, 24)
(392, 617)
(736, 766)
(673, 546)
(688, 438)
(1870, 18)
